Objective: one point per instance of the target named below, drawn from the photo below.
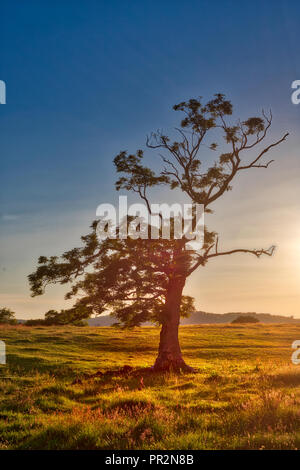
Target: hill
(197, 318)
(200, 318)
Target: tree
(72, 316)
(7, 316)
(245, 319)
(66, 317)
(143, 279)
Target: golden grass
(245, 394)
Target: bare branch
(258, 253)
(144, 197)
(235, 168)
(253, 163)
(202, 259)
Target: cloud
(8, 217)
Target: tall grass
(245, 394)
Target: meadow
(245, 394)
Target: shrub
(35, 322)
(245, 319)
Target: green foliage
(128, 277)
(7, 316)
(140, 176)
(72, 316)
(132, 278)
(35, 322)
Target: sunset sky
(88, 79)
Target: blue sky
(87, 79)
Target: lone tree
(7, 316)
(142, 280)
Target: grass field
(245, 395)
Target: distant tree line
(64, 317)
(245, 319)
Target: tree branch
(258, 253)
(253, 163)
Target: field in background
(245, 395)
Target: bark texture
(169, 353)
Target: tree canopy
(7, 315)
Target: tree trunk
(169, 353)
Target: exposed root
(167, 362)
(173, 367)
